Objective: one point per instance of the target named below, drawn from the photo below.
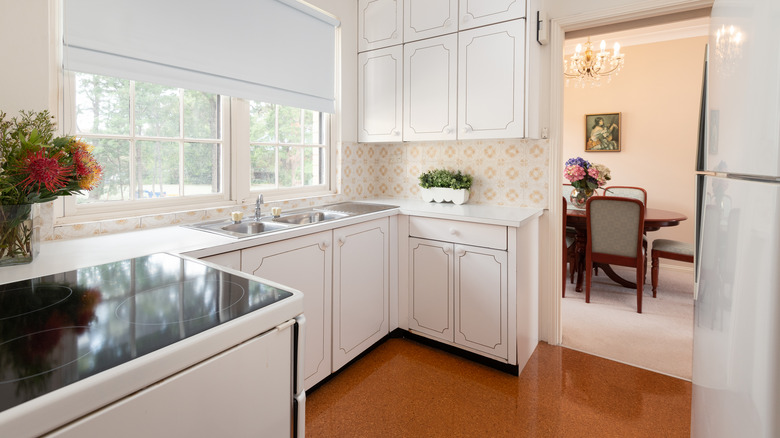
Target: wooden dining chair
(615, 226)
(570, 258)
(668, 249)
(627, 192)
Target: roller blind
(276, 51)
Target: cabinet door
(305, 264)
(430, 288)
(481, 310)
(229, 259)
(380, 90)
(430, 88)
(474, 13)
(429, 18)
(379, 24)
(491, 81)
(361, 287)
(246, 389)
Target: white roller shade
(277, 51)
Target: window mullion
(132, 165)
(181, 142)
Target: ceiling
(665, 28)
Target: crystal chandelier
(590, 67)
(728, 49)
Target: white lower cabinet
(303, 263)
(244, 390)
(458, 294)
(361, 287)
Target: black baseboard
(474, 357)
(403, 334)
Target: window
(162, 148)
(286, 147)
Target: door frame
(550, 304)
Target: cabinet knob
(447, 23)
(447, 250)
(448, 130)
(466, 129)
(341, 241)
(454, 231)
(396, 132)
(324, 245)
(466, 18)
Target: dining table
(655, 219)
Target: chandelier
(728, 49)
(591, 67)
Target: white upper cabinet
(430, 89)
(379, 23)
(380, 94)
(429, 18)
(474, 13)
(491, 81)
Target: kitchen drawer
(468, 233)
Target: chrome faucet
(259, 202)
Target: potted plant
(442, 185)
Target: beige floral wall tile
(120, 225)
(74, 231)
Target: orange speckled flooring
(405, 389)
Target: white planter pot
(440, 194)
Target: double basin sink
(251, 227)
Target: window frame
(236, 182)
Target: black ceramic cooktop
(58, 329)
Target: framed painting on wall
(602, 132)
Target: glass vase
(579, 197)
(19, 240)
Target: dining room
(651, 108)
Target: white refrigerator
(736, 358)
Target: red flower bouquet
(36, 167)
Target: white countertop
(65, 255)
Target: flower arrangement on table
(585, 177)
(36, 166)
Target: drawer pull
(454, 231)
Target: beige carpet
(659, 339)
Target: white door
(474, 13)
(305, 264)
(491, 81)
(361, 287)
(429, 18)
(380, 94)
(379, 24)
(481, 310)
(430, 288)
(430, 89)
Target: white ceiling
(641, 35)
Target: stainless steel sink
(293, 219)
(310, 217)
(253, 227)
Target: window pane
(157, 169)
(102, 105)
(263, 166)
(113, 155)
(311, 127)
(313, 169)
(201, 115)
(201, 168)
(290, 125)
(290, 166)
(156, 110)
(262, 122)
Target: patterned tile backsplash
(507, 172)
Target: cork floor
(405, 389)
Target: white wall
(28, 78)
(658, 94)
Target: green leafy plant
(445, 178)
